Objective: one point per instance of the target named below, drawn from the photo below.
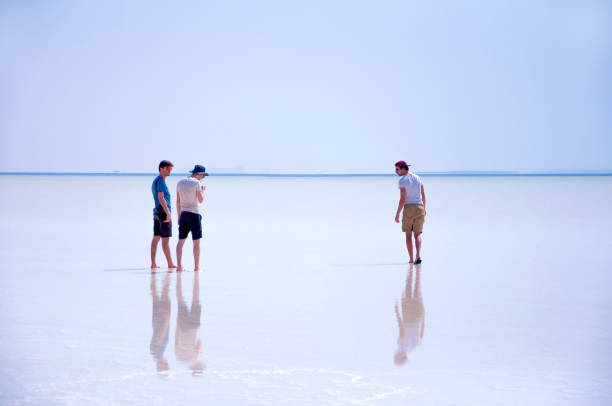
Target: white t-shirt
(187, 190)
(412, 183)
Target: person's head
(401, 168)
(165, 167)
(198, 172)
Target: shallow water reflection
(161, 322)
(187, 344)
(411, 319)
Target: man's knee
(196, 243)
(165, 240)
(156, 238)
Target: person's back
(188, 192)
(159, 185)
(412, 184)
(412, 204)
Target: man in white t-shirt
(412, 203)
(189, 196)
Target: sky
(306, 86)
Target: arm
(178, 206)
(200, 193)
(424, 200)
(422, 326)
(397, 316)
(401, 203)
(162, 202)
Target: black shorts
(190, 222)
(160, 228)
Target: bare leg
(408, 290)
(179, 293)
(195, 298)
(417, 242)
(179, 255)
(196, 254)
(417, 284)
(166, 248)
(409, 245)
(154, 243)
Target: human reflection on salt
(411, 321)
(161, 322)
(187, 345)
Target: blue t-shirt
(159, 185)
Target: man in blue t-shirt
(162, 222)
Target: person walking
(412, 203)
(189, 196)
(162, 222)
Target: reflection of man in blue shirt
(161, 323)
(162, 222)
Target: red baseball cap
(401, 163)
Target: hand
(397, 218)
(168, 218)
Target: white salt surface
(298, 293)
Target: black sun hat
(199, 170)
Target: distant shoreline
(316, 175)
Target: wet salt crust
(298, 293)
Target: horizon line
(325, 175)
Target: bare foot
(411, 262)
(197, 270)
(171, 266)
(154, 266)
(180, 268)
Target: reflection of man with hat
(412, 204)
(187, 345)
(189, 196)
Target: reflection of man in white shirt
(411, 321)
(412, 203)
(187, 345)
(189, 196)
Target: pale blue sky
(312, 86)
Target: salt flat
(298, 293)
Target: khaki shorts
(413, 218)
